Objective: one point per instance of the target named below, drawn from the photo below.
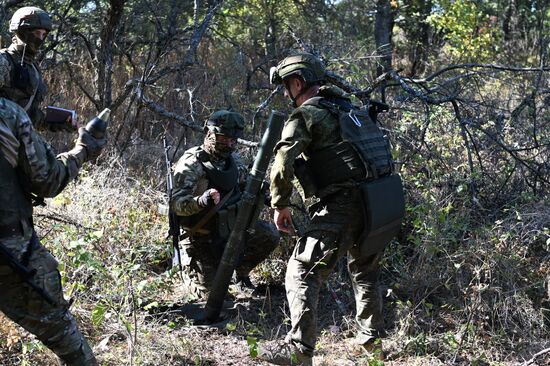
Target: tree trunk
(104, 73)
(383, 35)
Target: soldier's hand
(68, 125)
(282, 217)
(210, 195)
(92, 145)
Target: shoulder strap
(314, 101)
(323, 102)
(31, 99)
(209, 214)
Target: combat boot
(372, 349)
(243, 287)
(283, 353)
(84, 356)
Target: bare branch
(199, 33)
(533, 359)
(263, 105)
(481, 66)
(158, 109)
(75, 79)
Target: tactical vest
(25, 81)
(226, 182)
(362, 155)
(15, 203)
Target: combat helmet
(304, 64)
(30, 17)
(224, 122)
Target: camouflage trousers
(336, 224)
(53, 324)
(202, 255)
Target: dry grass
(463, 296)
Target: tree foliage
(468, 86)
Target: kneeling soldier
(205, 197)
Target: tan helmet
(304, 64)
(30, 17)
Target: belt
(9, 230)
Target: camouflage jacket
(308, 129)
(19, 83)
(28, 165)
(190, 181)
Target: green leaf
(151, 305)
(252, 346)
(98, 314)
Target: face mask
(27, 38)
(218, 149)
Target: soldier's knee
(61, 331)
(47, 276)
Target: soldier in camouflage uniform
(29, 168)
(337, 219)
(20, 78)
(206, 184)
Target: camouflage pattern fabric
(190, 181)
(309, 128)
(336, 224)
(337, 221)
(45, 175)
(53, 325)
(16, 91)
(202, 254)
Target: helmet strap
(304, 90)
(23, 54)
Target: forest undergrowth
(459, 286)
(466, 282)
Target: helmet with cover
(306, 65)
(227, 123)
(30, 17)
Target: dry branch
(158, 109)
(535, 356)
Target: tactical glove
(68, 125)
(210, 195)
(92, 145)
(86, 148)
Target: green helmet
(30, 17)
(224, 122)
(303, 64)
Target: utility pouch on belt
(303, 173)
(384, 204)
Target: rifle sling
(210, 214)
(25, 273)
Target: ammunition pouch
(384, 206)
